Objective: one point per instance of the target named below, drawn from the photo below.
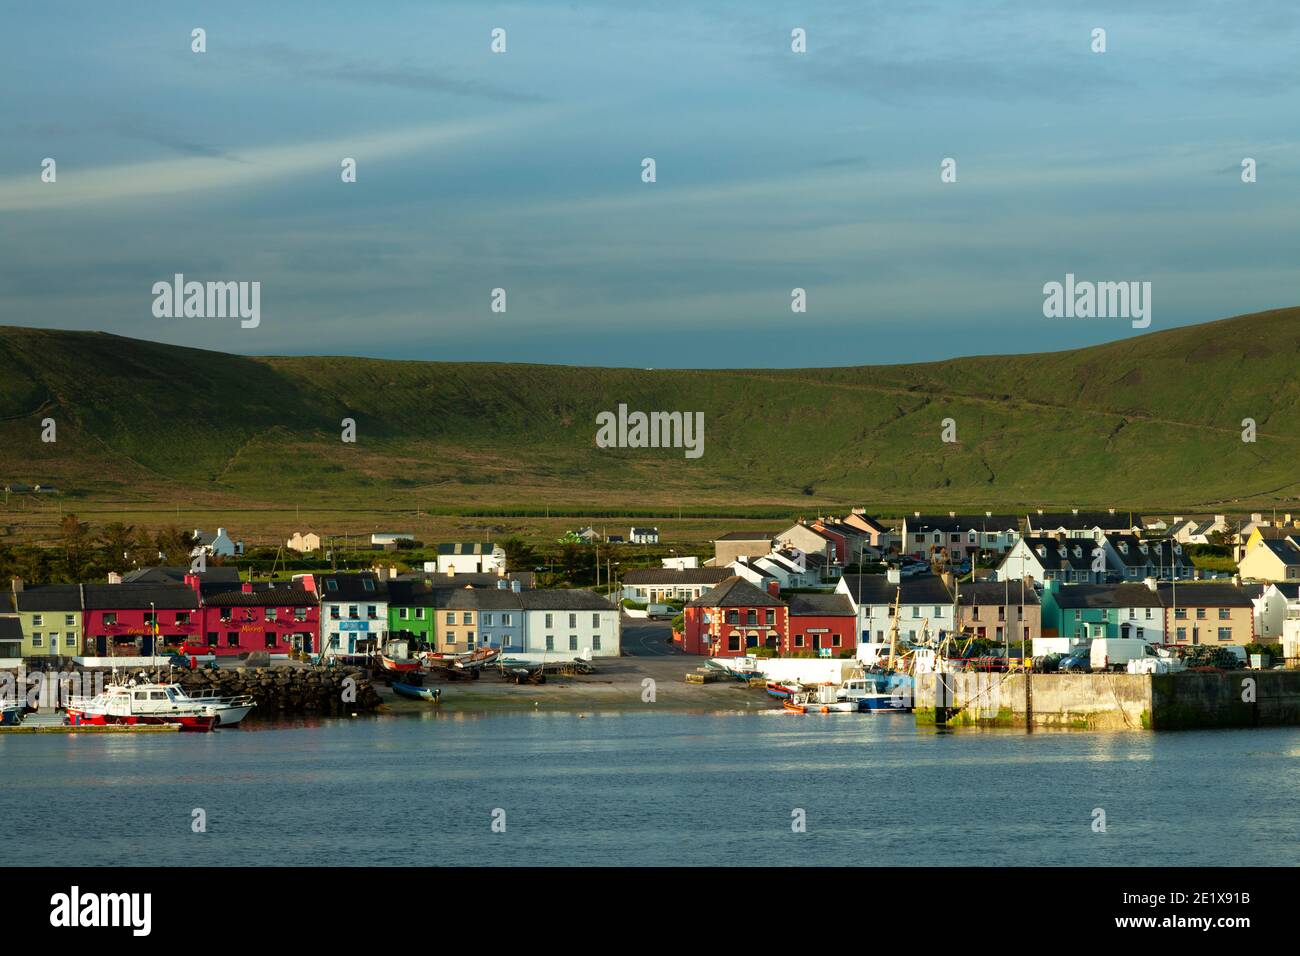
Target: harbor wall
(1184, 701)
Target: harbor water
(650, 789)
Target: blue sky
(522, 171)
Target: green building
(50, 617)
(411, 606)
(1090, 611)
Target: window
(69, 620)
(916, 610)
(549, 620)
(835, 640)
(371, 611)
(733, 642)
(1181, 633)
(573, 642)
(419, 614)
(487, 620)
(232, 639)
(1225, 614)
(270, 614)
(300, 614)
(451, 617)
(550, 642)
(332, 585)
(1180, 614)
(1148, 610)
(334, 612)
(573, 620)
(70, 639)
(467, 617)
(1225, 633)
(38, 620)
(770, 617)
(798, 640)
(182, 617)
(595, 619)
(352, 611)
(507, 620)
(367, 584)
(751, 617)
(270, 638)
(212, 638)
(402, 613)
(1200, 614)
(595, 642)
(38, 639)
(733, 617)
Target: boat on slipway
(415, 692)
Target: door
(146, 646)
(101, 645)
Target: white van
(1114, 653)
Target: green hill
(1149, 421)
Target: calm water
(667, 788)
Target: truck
(1114, 653)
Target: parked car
(1080, 662)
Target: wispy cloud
(203, 172)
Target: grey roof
(262, 597)
(636, 531)
(876, 589)
(748, 536)
(49, 597)
(1053, 560)
(351, 586)
(467, 547)
(1106, 595)
(962, 523)
(677, 576)
(1085, 519)
(163, 574)
(995, 592)
(564, 599)
(482, 599)
(822, 605)
(11, 629)
(478, 579)
(736, 592)
(1283, 548)
(108, 597)
(1205, 594)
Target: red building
(734, 618)
(821, 624)
(277, 620)
(138, 620)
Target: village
(838, 614)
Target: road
(647, 638)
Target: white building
(645, 536)
(214, 545)
(303, 543)
(925, 605)
(569, 623)
(353, 611)
(680, 563)
(463, 557)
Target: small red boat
(399, 667)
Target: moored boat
(413, 692)
(783, 691)
(148, 703)
(394, 666)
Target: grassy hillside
(1149, 421)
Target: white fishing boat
(148, 703)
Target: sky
(522, 171)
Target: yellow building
(50, 616)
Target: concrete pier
(1189, 700)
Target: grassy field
(158, 434)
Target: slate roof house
(734, 618)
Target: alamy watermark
(208, 300)
(1098, 300)
(626, 429)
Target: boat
(877, 692)
(783, 691)
(394, 666)
(476, 659)
(417, 693)
(149, 703)
(11, 715)
(793, 708)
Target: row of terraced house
(213, 613)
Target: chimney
(916, 514)
(451, 570)
(893, 576)
(1040, 510)
(988, 514)
(246, 587)
(1074, 510)
(1112, 510)
(16, 583)
(952, 514)
(774, 588)
(114, 577)
(1151, 584)
(392, 572)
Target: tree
(519, 556)
(117, 541)
(75, 536)
(175, 545)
